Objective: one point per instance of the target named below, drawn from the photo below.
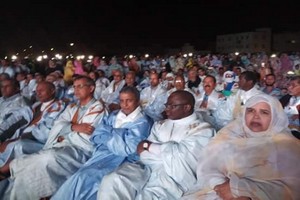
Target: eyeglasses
(173, 106)
(80, 86)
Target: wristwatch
(146, 146)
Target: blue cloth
(113, 146)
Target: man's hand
(4, 144)
(60, 138)
(224, 192)
(140, 147)
(83, 128)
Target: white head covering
(279, 122)
(229, 76)
(259, 165)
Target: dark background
(108, 26)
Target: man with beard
(270, 88)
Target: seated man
(68, 146)
(115, 139)
(270, 86)
(35, 135)
(111, 93)
(207, 101)
(230, 107)
(129, 81)
(291, 105)
(168, 158)
(152, 98)
(11, 117)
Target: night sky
(109, 26)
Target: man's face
(175, 107)
(117, 76)
(208, 85)
(294, 88)
(154, 81)
(82, 90)
(192, 74)
(130, 79)
(270, 81)
(128, 102)
(179, 83)
(44, 93)
(8, 89)
(242, 83)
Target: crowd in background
(191, 99)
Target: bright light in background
(290, 73)
(5, 57)
(273, 55)
(130, 56)
(146, 55)
(14, 57)
(190, 54)
(185, 55)
(71, 44)
(51, 49)
(45, 56)
(103, 57)
(80, 57)
(39, 58)
(30, 47)
(236, 53)
(89, 61)
(26, 57)
(24, 50)
(58, 56)
(43, 51)
(17, 54)
(91, 57)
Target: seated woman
(253, 157)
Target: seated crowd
(109, 132)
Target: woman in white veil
(253, 157)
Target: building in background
(286, 42)
(257, 41)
